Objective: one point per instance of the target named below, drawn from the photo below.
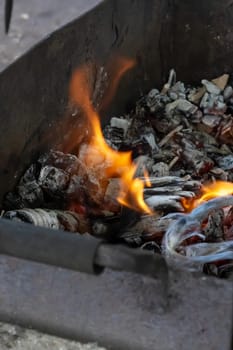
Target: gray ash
(182, 135)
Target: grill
(50, 280)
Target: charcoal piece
(177, 91)
(219, 174)
(164, 124)
(13, 200)
(225, 270)
(208, 101)
(76, 190)
(171, 81)
(219, 270)
(180, 105)
(111, 194)
(108, 226)
(171, 190)
(31, 194)
(141, 133)
(228, 225)
(211, 87)
(213, 104)
(148, 137)
(30, 175)
(131, 238)
(164, 202)
(160, 169)
(152, 226)
(226, 163)
(53, 181)
(113, 136)
(172, 163)
(138, 148)
(120, 123)
(210, 122)
(28, 192)
(54, 219)
(165, 155)
(218, 108)
(185, 182)
(214, 229)
(192, 185)
(163, 190)
(170, 135)
(195, 95)
(178, 172)
(64, 161)
(197, 117)
(73, 222)
(228, 232)
(100, 229)
(225, 131)
(155, 101)
(144, 163)
(229, 217)
(228, 92)
(201, 138)
(211, 269)
(196, 159)
(37, 217)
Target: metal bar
(77, 252)
(8, 13)
(121, 258)
(52, 247)
(119, 310)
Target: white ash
(54, 219)
(120, 123)
(226, 163)
(228, 92)
(211, 87)
(182, 135)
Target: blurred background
(32, 20)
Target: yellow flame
(119, 164)
(216, 189)
(147, 178)
(209, 191)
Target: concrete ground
(31, 21)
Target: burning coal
(116, 164)
(209, 191)
(169, 161)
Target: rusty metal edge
(118, 310)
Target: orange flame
(116, 164)
(147, 178)
(209, 191)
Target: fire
(209, 191)
(117, 164)
(216, 189)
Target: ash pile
(182, 136)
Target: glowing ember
(209, 191)
(116, 164)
